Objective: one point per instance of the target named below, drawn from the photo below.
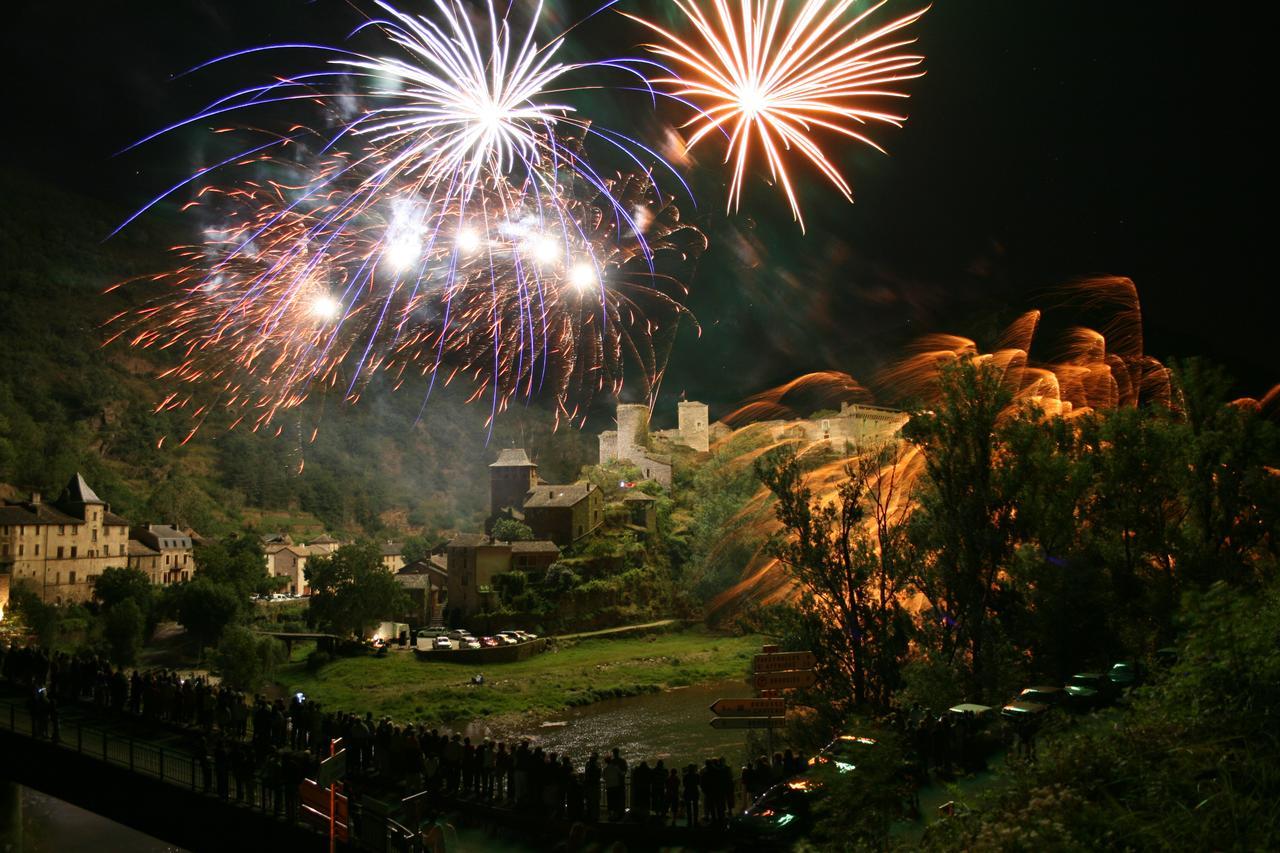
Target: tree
(510, 530)
(245, 660)
(206, 608)
(122, 628)
(847, 555)
(237, 562)
(118, 585)
(417, 548)
(351, 591)
(965, 511)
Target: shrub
(317, 660)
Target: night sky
(1048, 141)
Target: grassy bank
(569, 674)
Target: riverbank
(571, 674)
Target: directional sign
(332, 769)
(747, 722)
(785, 680)
(749, 707)
(780, 661)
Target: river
(674, 725)
(49, 825)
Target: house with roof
(562, 514)
(392, 556)
(173, 548)
(473, 560)
(426, 583)
(58, 548)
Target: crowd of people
(257, 751)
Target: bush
(246, 660)
(318, 660)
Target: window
(71, 577)
(73, 552)
(4, 551)
(57, 578)
(121, 550)
(22, 549)
(166, 559)
(59, 552)
(62, 530)
(37, 549)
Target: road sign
(785, 680)
(748, 722)
(749, 707)
(331, 769)
(780, 661)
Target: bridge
(150, 777)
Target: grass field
(569, 674)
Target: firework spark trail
(1087, 373)
(466, 232)
(771, 80)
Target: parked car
(1042, 695)
(525, 636)
(442, 644)
(457, 635)
(1020, 713)
(507, 638)
(470, 643)
(490, 642)
(1088, 690)
(1125, 674)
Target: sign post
(770, 723)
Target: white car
(442, 644)
(507, 638)
(470, 643)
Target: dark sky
(1048, 141)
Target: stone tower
(694, 429)
(633, 428)
(511, 477)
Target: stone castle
(855, 425)
(630, 441)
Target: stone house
(473, 560)
(58, 548)
(176, 561)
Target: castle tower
(608, 446)
(694, 425)
(511, 477)
(633, 428)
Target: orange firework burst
(768, 80)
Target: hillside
(66, 404)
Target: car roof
(970, 706)
(1043, 688)
(1024, 707)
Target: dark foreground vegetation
(999, 549)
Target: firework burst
(453, 224)
(770, 79)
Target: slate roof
(26, 513)
(468, 540)
(512, 457)
(326, 539)
(392, 549)
(557, 496)
(78, 492)
(537, 546)
(140, 549)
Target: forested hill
(68, 404)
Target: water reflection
(672, 725)
(50, 825)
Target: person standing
(672, 793)
(691, 785)
(615, 774)
(591, 784)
